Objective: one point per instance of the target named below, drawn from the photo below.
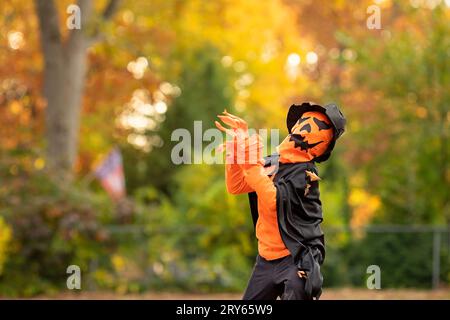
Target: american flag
(111, 176)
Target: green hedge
(405, 260)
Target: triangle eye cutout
(322, 124)
(306, 127)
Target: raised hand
(242, 149)
(238, 126)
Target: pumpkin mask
(309, 138)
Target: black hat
(333, 113)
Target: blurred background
(86, 117)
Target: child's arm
(257, 179)
(234, 177)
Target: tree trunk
(64, 81)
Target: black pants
(273, 279)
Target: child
(284, 199)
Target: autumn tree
(64, 76)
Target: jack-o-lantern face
(309, 138)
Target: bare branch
(107, 14)
(110, 9)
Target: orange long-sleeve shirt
(254, 178)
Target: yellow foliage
(39, 163)
(256, 41)
(118, 262)
(5, 238)
(364, 206)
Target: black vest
(299, 217)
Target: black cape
(299, 218)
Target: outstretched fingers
(229, 121)
(239, 121)
(222, 128)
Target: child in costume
(284, 199)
